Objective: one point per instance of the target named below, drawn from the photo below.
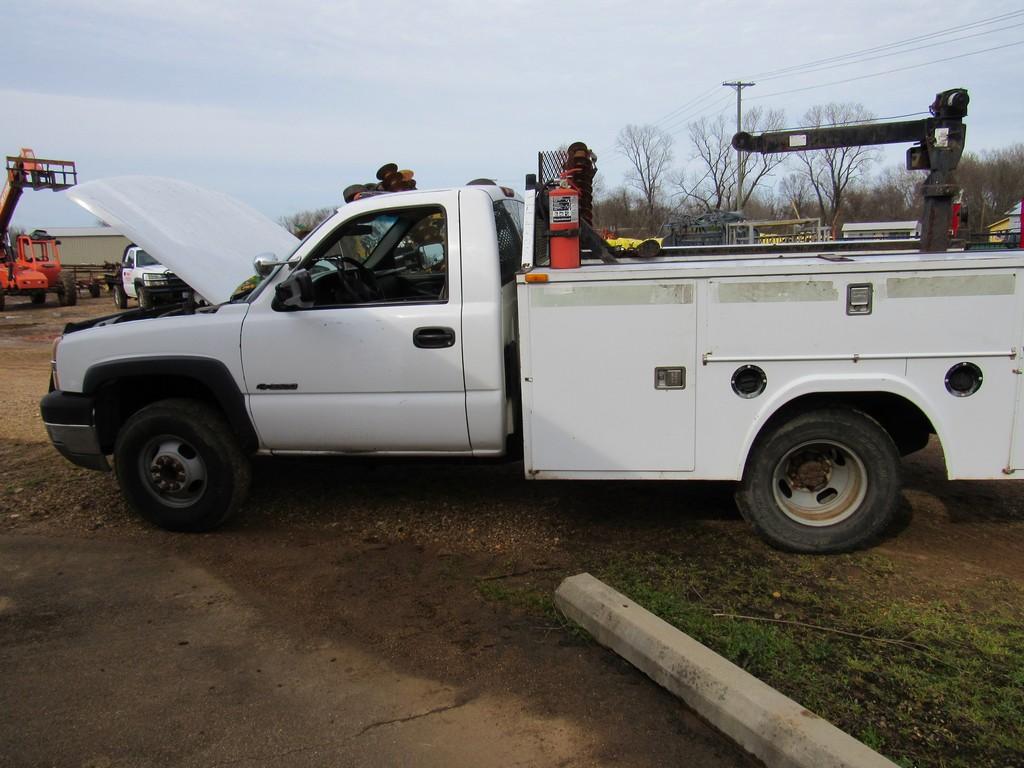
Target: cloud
(284, 102)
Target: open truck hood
(207, 238)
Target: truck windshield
(143, 259)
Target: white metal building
(881, 230)
(89, 245)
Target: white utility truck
(143, 278)
(424, 323)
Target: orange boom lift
(31, 265)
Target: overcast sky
(284, 104)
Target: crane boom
(939, 145)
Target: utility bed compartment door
(609, 376)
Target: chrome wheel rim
(173, 471)
(819, 483)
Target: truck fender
(209, 372)
(844, 384)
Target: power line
(688, 118)
(889, 71)
(690, 103)
(894, 53)
(888, 46)
(738, 86)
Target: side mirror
(265, 263)
(294, 292)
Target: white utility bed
(593, 338)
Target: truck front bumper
(68, 420)
(164, 293)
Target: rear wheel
(2, 294)
(180, 466)
(120, 297)
(825, 481)
(67, 293)
(94, 290)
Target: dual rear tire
(824, 481)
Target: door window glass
(399, 255)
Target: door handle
(433, 338)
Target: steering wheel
(359, 281)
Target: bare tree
(649, 152)
(621, 211)
(756, 167)
(302, 223)
(895, 194)
(992, 183)
(831, 172)
(793, 196)
(713, 185)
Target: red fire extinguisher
(564, 229)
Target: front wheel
(180, 466)
(825, 481)
(145, 299)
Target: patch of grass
(533, 601)
(926, 681)
(528, 599)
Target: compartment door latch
(670, 378)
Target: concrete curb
(767, 724)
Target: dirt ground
(395, 565)
(338, 621)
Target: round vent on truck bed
(749, 381)
(963, 379)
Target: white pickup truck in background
(143, 278)
(420, 324)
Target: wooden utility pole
(741, 161)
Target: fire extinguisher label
(565, 209)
